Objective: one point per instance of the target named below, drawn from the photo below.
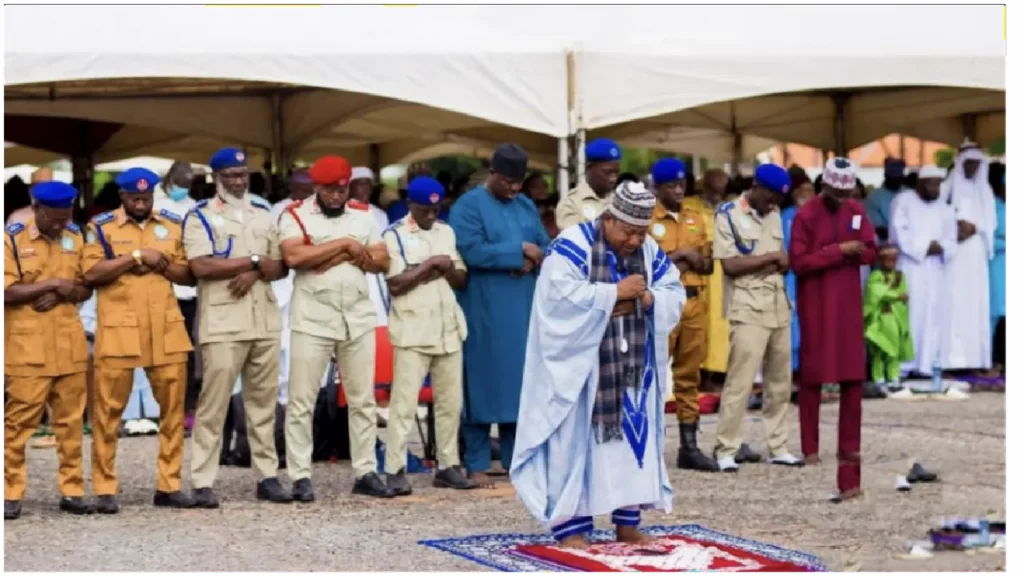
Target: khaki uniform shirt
(334, 304)
(582, 204)
(138, 322)
(684, 230)
(757, 299)
(247, 224)
(48, 343)
(426, 319)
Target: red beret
(331, 170)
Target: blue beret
(668, 170)
(227, 158)
(603, 150)
(137, 180)
(772, 177)
(425, 190)
(54, 194)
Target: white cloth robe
(970, 344)
(913, 225)
(558, 469)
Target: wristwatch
(255, 259)
(137, 255)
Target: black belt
(691, 292)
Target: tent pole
(737, 151)
(970, 126)
(375, 161)
(563, 167)
(581, 155)
(839, 100)
(903, 148)
(277, 134)
(82, 178)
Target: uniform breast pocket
(222, 313)
(317, 304)
(176, 338)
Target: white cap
(931, 171)
(362, 173)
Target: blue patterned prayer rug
(684, 548)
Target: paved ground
(964, 441)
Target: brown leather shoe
(812, 460)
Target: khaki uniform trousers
(27, 397)
(411, 368)
(749, 347)
(258, 362)
(309, 358)
(688, 345)
(113, 390)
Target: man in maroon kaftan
(831, 239)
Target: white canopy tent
(826, 76)
(373, 82)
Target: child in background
(887, 320)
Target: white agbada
(559, 470)
(913, 225)
(970, 344)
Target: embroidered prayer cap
(54, 194)
(772, 177)
(668, 170)
(137, 180)
(331, 170)
(633, 204)
(894, 167)
(603, 150)
(227, 158)
(362, 173)
(840, 174)
(44, 174)
(425, 191)
(510, 161)
(931, 171)
(970, 150)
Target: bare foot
(631, 534)
(850, 494)
(482, 480)
(577, 541)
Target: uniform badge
(90, 237)
(690, 221)
(161, 232)
(658, 230)
(67, 244)
(240, 157)
(142, 185)
(588, 211)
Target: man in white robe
(968, 192)
(924, 227)
(591, 439)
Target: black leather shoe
(399, 484)
(204, 498)
(919, 474)
(453, 478)
(302, 490)
(270, 489)
(690, 457)
(107, 504)
(12, 509)
(173, 500)
(75, 505)
(747, 456)
(371, 485)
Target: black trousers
(193, 384)
(999, 343)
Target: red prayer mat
(675, 548)
(671, 553)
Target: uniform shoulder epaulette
(726, 207)
(170, 216)
(200, 204)
(260, 203)
(101, 219)
(15, 228)
(73, 227)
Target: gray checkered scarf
(618, 371)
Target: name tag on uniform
(855, 225)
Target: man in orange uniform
(45, 354)
(132, 258)
(680, 234)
